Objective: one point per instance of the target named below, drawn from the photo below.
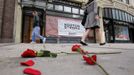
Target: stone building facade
(7, 9)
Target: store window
(109, 12)
(114, 14)
(126, 17)
(117, 14)
(131, 19)
(81, 12)
(59, 7)
(50, 6)
(123, 16)
(120, 15)
(75, 10)
(67, 9)
(121, 32)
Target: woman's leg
(91, 33)
(37, 33)
(84, 37)
(33, 36)
(98, 36)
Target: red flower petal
(94, 57)
(85, 57)
(31, 71)
(88, 59)
(28, 63)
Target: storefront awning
(118, 14)
(79, 1)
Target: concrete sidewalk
(115, 64)
(15, 50)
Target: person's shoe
(83, 43)
(32, 42)
(44, 40)
(102, 44)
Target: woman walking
(91, 20)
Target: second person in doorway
(36, 28)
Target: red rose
(90, 60)
(75, 47)
(29, 53)
(78, 49)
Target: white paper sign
(70, 28)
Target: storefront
(60, 20)
(118, 25)
(63, 22)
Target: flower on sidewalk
(77, 48)
(29, 53)
(42, 53)
(28, 63)
(31, 71)
(90, 60)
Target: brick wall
(8, 21)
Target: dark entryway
(131, 31)
(27, 25)
(109, 30)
